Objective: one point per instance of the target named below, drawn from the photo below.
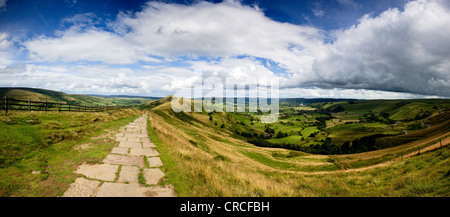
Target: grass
(76, 99)
(56, 152)
(205, 160)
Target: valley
(318, 147)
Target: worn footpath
(125, 170)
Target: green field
(40, 150)
(213, 154)
(43, 95)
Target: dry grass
(201, 161)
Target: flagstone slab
(152, 175)
(154, 162)
(134, 190)
(159, 191)
(105, 172)
(124, 160)
(119, 150)
(129, 156)
(149, 152)
(120, 190)
(136, 135)
(82, 188)
(133, 139)
(121, 139)
(130, 145)
(129, 174)
(147, 144)
(145, 139)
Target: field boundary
(7, 104)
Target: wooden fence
(28, 105)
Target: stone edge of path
(119, 174)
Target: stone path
(119, 174)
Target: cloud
(401, 51)
(88, 45)
(171, 30)
(349, 3)
(405, 51)
(5, 50)
(2, 5)
(80, 79)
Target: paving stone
(124, 160)
(105, 172)
(136, 135)
(133, 139)
(133, 126)
(159, 191)
(147, 144)
(134, 190)
(119, 150)
(121, 139)
(82, 188)
(130, 145)
(129, 174)
(154, 162)
(153, 175)
(130, 138)
(149, 152)
(145, 140)
(120, 190)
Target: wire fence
(7, 104)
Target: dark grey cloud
(404, 51)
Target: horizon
(317, 49)
(160, 97)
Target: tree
(280, 134)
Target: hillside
(205, 157)
(53, 144)
(35, 94)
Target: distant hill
(36, 94)
(153, 104)
(124, 96)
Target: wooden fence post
(69, 107)
(440, 140)
(84, 108)
(59, 110)
(6, 105)
(29, 105)
(45, 105)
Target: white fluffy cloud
(400, 50)
(5, 53)
(406, 51)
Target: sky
(365, 49)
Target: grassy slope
(398, 109)
(55, 96)
(202, 159)
(50, 143)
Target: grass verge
(38, 160)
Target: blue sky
(318, 48)
(44, 16)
